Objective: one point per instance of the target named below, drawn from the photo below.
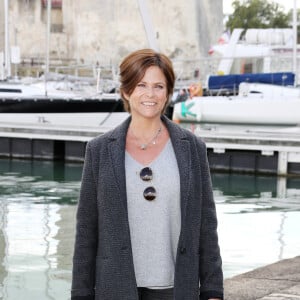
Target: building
(101, 32)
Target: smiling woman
(146, 219)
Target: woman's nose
(150, 91)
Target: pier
(254, 149)
(54, 136)
(261, 150)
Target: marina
(252, 133)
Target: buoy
(195, 90)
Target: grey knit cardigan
(102, 263)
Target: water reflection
(258, 224)
(37, 216)
(264, 192)
(258, 220)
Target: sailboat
(43, 97)
(256, 103)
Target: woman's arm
(84, 259)
(210, 263)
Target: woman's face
(150, 95)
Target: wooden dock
(251, 149)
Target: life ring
(195, 90)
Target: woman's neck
(145, 128)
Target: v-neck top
(154, 225)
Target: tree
(257, 14)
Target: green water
(258, 224)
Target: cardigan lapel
(117, 161)
(117, 158)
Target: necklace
(144, 146)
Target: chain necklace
(144, 146)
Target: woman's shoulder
(185, 133)
(100, 142)
(100, 138)
(199, 142)
(112, 134)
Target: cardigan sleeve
(84, 259)
(210, 264)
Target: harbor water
(258, 224)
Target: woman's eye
(160, 87)
(141, 85)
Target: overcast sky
(287, 4)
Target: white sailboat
(263, 104)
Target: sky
(287, 4)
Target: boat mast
(48, 31)
(6, 41)
(295, 42)
(151, 36)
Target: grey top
(154, 225)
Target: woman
(146, 220)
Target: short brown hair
(134, 66)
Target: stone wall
(104, 31)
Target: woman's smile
(146, 103)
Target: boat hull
(239, 110)
(59, 105)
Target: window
(54, 3)
(56, 15)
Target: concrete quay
(278, 281)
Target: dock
(249, 149)
(278, 281)
(252, 149)
(52, 136)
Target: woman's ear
(126, 96)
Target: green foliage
(257, 14)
